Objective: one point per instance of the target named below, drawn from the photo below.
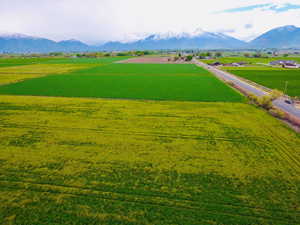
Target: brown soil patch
(154, 60)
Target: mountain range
(281, 37)
(196, 40)
(20, 43)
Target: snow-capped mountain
(198, 39)
(15, 36)
(281, 37)
(178, 35)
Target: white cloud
(102, 20)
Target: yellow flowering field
(19, 73)
(95, 161)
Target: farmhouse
(282, 62)
(216, 64)
(291, 66)
(235, 64)
(228, 64)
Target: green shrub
(189, 58)
(253, 98)
(265, 102)
(277, 113)
(276, 94)
(122, 54)
(296, 98)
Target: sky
(98, 21)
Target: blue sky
(245, 8)
(97, 21)
(284, 8)
(269, 6)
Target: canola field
(206, 157)
(14, 70)
(182, 82)
(89, 161)
(14, 74)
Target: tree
(247, 55)
(121, 54)
(139, 53)
(56, 54)
(202, 55)
(218, 54)
(189, 58)
(257, 55)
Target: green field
(103, 60)
(184, 82)
(84, 161)
(274, 79)
(250, 61)
(8, 62)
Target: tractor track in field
(283, 152)
(133, 199)
(132, 133)
(293, 162)
(143, 195)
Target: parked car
(288, 101)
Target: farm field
(274, 79)
(92, 161)
(13, 62)
(19, 73)
(103, 60)
(5, 62)
(152, 59)
(250, 61)
(184, 82)
(39, 67)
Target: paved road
(280, 103)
